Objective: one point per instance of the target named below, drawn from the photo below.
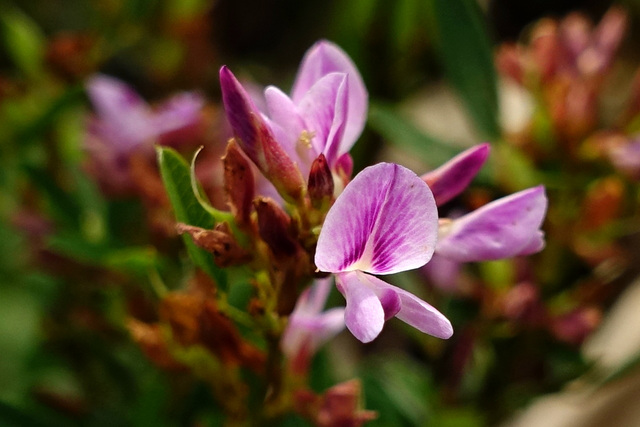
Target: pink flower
(384, 222)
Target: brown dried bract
(239, 184)
(219, 241)
(195, 320)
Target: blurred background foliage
(77, 263)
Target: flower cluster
(297, 222)
(386, 219)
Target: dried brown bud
(320, 181)
(274, 227)
(220, 242)
(338, 406)
(239, 184)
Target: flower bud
(274, 227)
(320, 181)
(255, 138)
(338, 406)
(239, 183)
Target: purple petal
(501, 229)
(178, 111)
(256, 139)
(113, 98)
(324, 108)
(344, 165)
(444, 273)
(453, 177)
(626, 158)
(288, 127)
(385, 221)
(309, 328)
(412, 310)
(364, 314)
(241, 112)
(313, 299)
(535, 245)
(125, 119)
(321, 59)
(388, 298)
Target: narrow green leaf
(177, 181)
(465, 50)
(36, 128)
(23, 40)
(399, 388)
(201, 197)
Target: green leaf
(23, 40)
(36, 128)
(399, 388)
(467, 57)
(201, 197)
(177, 181)
(11, 416)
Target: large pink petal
(385, 221)
(324, 111)
(413, 310)
(364, 314)
(453, 177)
(501, 229)
(321, 59)
(282, 110)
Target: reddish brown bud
(602, 204)
(274, 227)
(509, 63)
(69, 55)
(575, 326)
(220, 242)
(257, 141)
(239, 184)
(338, 406)
(320, 181)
